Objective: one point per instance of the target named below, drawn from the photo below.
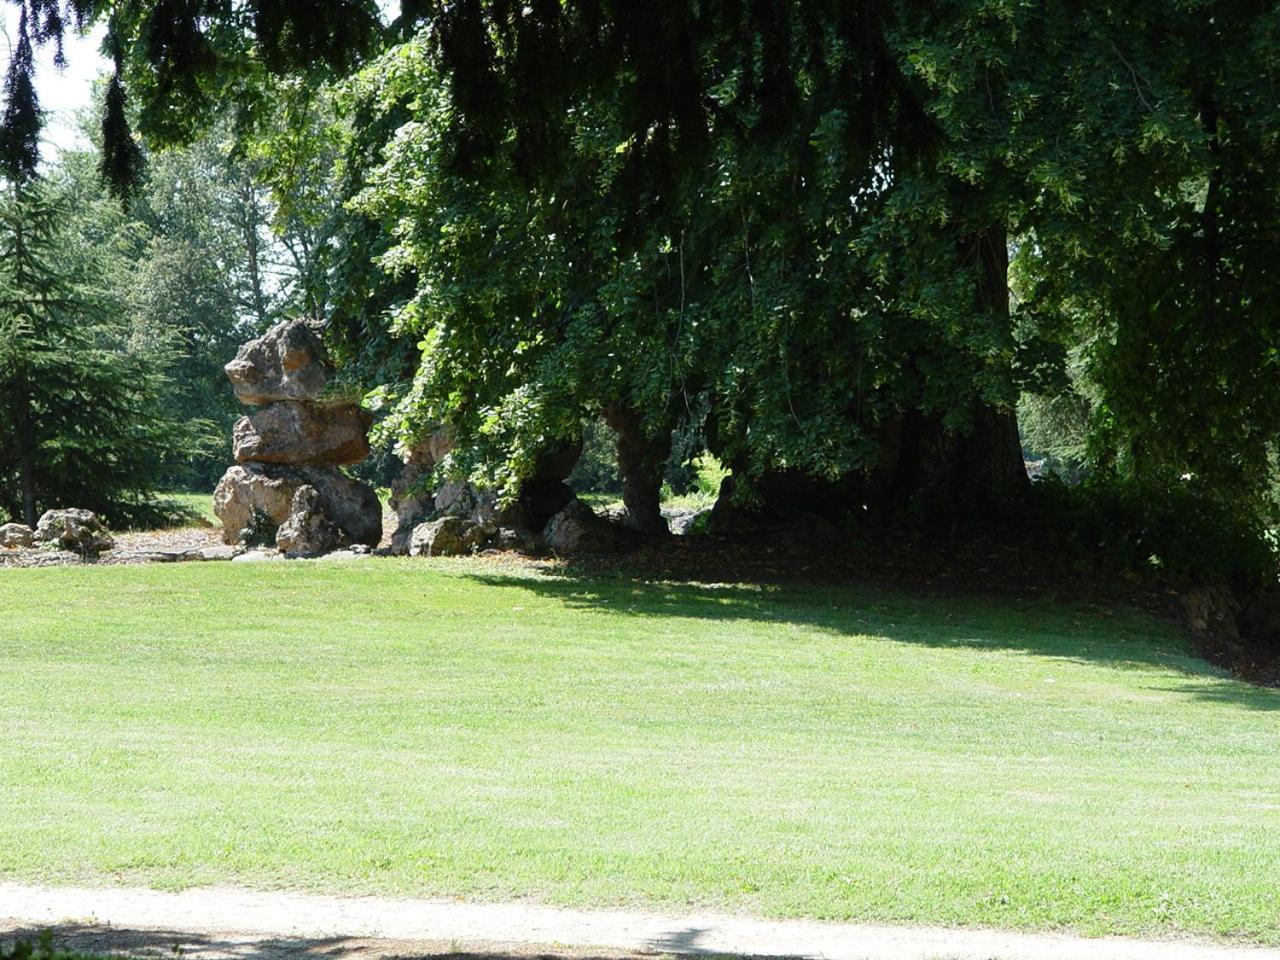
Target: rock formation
(78, 530)
(516, 526)
(289, 451)
(16, 536)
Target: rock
(519, 540)
(340, 556)
(412, 503)
(686, 523)
(575, 529)
(294, 431)
(78, 530)
(286, 363)
(15, 535)
(1212, 615)
(257, 556)
(429, 451)
(447, 537)
(350, 504)
(308, 532)
(219, 553)
(466, 501)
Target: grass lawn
(199, 505)
(417, 727)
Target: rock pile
(459, 518)
(286, 481)
(79, 531)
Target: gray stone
(73, 529)
(412, 503)
(229, 552)
(429, 451)
(286, 363)
(257, 556)
(341, 556)
(350, 504)
(300, 432)
(682, 524)
(575, 529)
(16, 535)
(308, 532)
(519, 540)
(447, 537)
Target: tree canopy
(838, 243)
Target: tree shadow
(88, 939)
(1087, 632)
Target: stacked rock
(286, 482)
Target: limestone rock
(575, 529)
(308, 532)
(257, 556)
(73, 529)
(429, 451)
(219, 553)
(15, 535)
(350, 504)
(447, 537)
(286, 363)
(412, 503)
(303, 433)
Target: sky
(61, 92)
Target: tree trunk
(24, 443)
(641, 461)
(546, 493)
(978, 474)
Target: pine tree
(82, 419)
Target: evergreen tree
(83, 419)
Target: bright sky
(61, 92)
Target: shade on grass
(434, 728)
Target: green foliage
(1180, 529)
(83, 421)
(597, 468)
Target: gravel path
(226, 922)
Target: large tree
(83, 420)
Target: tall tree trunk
(978, 474)
(641, 461)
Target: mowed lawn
(435, 728)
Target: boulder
(1212, 615)
(219, 553)
(429, 451)
(308, 532)
(257, 556)
(412, 503)
(575, 529)
(15, 535)
(351, 505)
(286, 363)
(73, 529)
(300, 432)
(447, 537)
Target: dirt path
(209, 923)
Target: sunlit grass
(433, 728)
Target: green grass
(433, 728)
(197, 505)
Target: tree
(83, 420)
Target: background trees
(84, 418)
(836, 245)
